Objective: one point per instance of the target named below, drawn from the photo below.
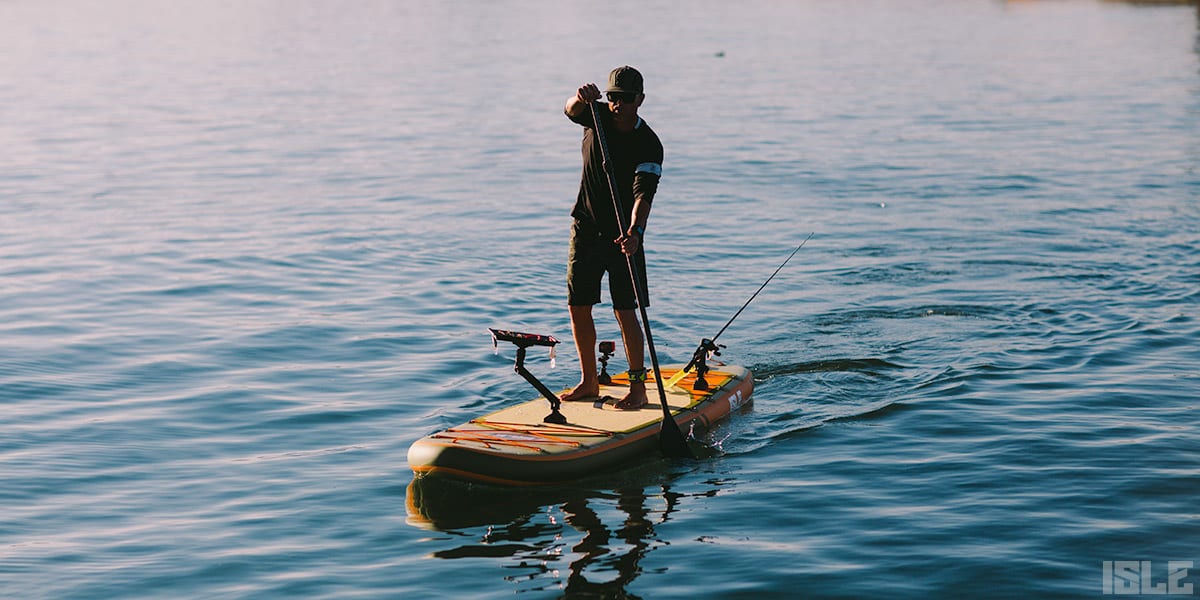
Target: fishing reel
(706, 350)
(607, 349)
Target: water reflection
(600, 535)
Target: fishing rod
(709, 345)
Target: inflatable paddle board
(522, 445)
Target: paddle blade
(671, 440)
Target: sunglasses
(623, 97)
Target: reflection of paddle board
(514, 446)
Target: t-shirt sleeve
(648, 171)
(585, 118)
(650, 159)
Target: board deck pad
(513, 445)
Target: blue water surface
(250, 252)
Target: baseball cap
(624, 79)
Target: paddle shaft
(671, 439)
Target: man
(598, 245)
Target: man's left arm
(645, 184)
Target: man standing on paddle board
(598, 245)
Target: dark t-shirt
(636, 155)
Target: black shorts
(592, 255)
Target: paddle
(670, 439)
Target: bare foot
(635, 399)
(586, 390)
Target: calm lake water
(250, 252)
